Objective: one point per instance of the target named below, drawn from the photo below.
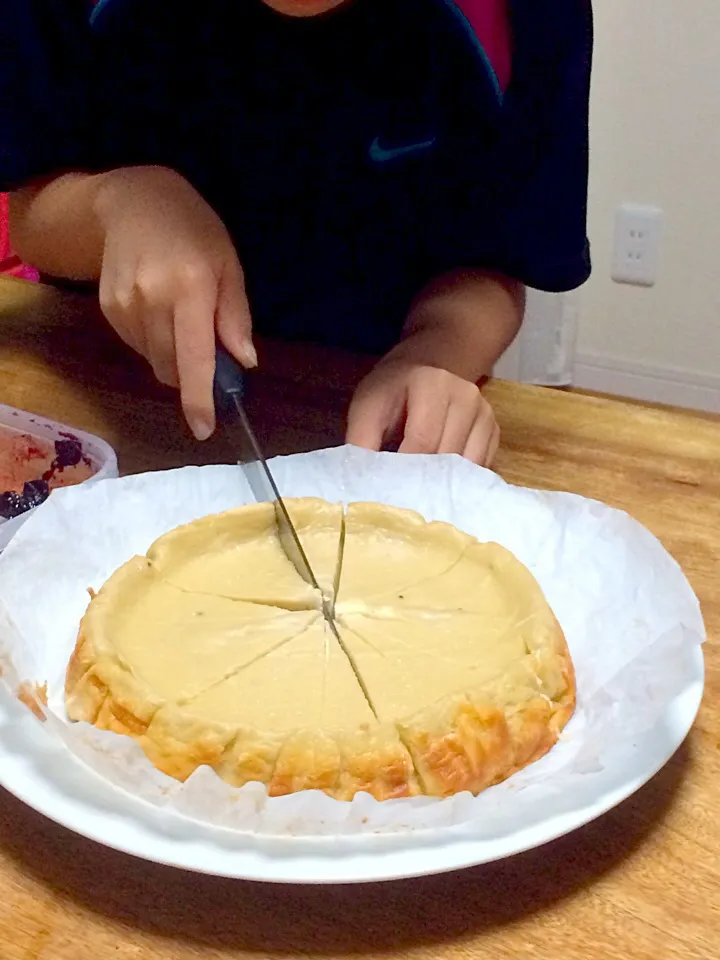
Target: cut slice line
(246, 666)
(351, 660)
(339, 566)
(408, 550)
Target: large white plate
(41, 772)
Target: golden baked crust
(476, 740)
(452, 672)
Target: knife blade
(229, 392)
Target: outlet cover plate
(636, 246)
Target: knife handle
(229, 383)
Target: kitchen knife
(229, 392)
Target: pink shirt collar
(491, 22)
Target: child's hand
(423, 396)
(426, 409)
(171, 283)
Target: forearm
(54, 226)
(463, 322)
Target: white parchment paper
(630, 617)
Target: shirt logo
(381, 154)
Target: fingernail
(248, 355)
(203, 429)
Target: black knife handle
(229, 383)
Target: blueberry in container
(38, 455)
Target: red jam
(30, 468)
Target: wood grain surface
(641, 882)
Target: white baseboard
(644, 381)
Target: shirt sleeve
(539, 209)
(513, 193)
(44, 89)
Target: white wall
(655, 139)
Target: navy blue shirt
(353, 156)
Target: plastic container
(36, 437)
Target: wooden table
(642, 882)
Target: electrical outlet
(636, 247)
